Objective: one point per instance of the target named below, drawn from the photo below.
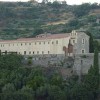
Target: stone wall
(79, 63)
(82, 63)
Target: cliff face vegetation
(25, 19)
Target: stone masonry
(79, 63)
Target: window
(29, 52)
(75, 33)
(21, 44)
(48, 52)
(83, 41)
(35, 43)
(24, 52)
(52, 42)
(42, 52)
(33, 52)
(83, 51)
(9, 44)
(13, 44)
(29, 43)
(48, 42)
(73, 41)
(25, 43)
(1, 45)
(39, 42)
(56, 42)
(44, 42)
(37, 52)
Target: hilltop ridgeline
(27, 19)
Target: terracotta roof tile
(52, 36)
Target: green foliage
(91, 42)
(94, 31)
(56, 4)
(49, 92)
(33, 84)
(29, 62)
(10, 61)
(82, 10)
(57, 80)
(17, 96)
(92, 18)
(38, 31)
(79, 92)
(73, 25)
(92, 79)
(36, 82)
(97, 45)
(8, 88)
(23, 19)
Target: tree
(50, 92)
(10, 61)
(56, 5)
(96, 44)
(92, 18)
(78, 92)
(37, 31)
(82, 10)
(94, 6)
(27, 92)
(36, 82)
(56, 93)
(8, 88)
(29, 62)
(92, 78)
(74, 22)
(57, 80)
(91, 42)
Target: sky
(71, 2)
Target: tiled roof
(50, 36)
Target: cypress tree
(92, 78)
(91, 43)
(96, 68)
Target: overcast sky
(68, 1)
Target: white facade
(42, 44)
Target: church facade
(68, 43)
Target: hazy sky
(68, 1)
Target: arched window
(83, 51)
(83, 41)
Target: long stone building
(67, 44)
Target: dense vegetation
(25, 83)
(23, 19)
(26, 20)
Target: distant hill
(25, 19)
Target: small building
(65, 44)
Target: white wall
(30, 46)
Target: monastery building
(68, 43)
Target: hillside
(23, 19)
